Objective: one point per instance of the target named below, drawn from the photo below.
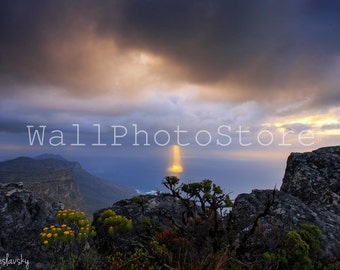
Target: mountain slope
(56, 179)
(48, 181)
(98, 192)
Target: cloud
(198, 64)
(241, 50)
(49, 45)
(230, 51)
(12, 127)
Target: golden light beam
(176, 166)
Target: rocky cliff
(314, 177)
(55, 179)
(22, 217)
(309, 194)
(48, 180)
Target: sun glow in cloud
(176, 166)
(323, 124)
(314, 120)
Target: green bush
(297, 252)
(300, 249)
(116, 224)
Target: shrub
(296, 254)
(116, 224)
(212, 201)
(300, 249)
(67, 242)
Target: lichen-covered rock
(161, 211)
(314, 177)
(309, 195)
(22, 217)
(262, 218)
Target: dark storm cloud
(210, 39)
(328, 97)
(254, 47)
(36, 45)
(25, 28)
(264, 43)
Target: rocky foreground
(310, 194)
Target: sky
(239, 85)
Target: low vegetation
(202, 241)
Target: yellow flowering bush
(51, 235)
(68, 241)
(73, 226)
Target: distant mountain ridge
(54, 178)
(50, 156)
